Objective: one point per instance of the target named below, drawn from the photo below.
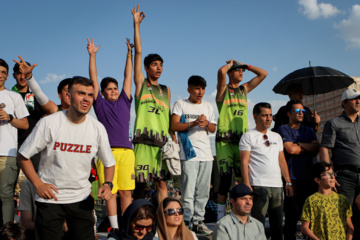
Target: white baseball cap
(350, 94)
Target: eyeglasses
(267, 142)
(172, 211)
(140, 227)
(298, 110)
(330, 175)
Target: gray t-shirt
(342, 136)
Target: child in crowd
(12, 231)
(326, 214)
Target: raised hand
(91, 47)
(138, 16)
(24, 68)
(129, 45)
(230, 62)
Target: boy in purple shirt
(113, 111)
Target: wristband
(29, 77)
(229, 66)
(130, 56)
(189, 125)
(249, 66)
(288, 184)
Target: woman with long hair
(171, 224)
(138, 222)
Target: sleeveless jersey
(233, 115)
(152, 115)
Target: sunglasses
(238, 69)
(330, 175)
(172, 211)
(140, 227)
(298, 110)
(267, 142)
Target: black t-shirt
(35, 111)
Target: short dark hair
(294, 88)
(80, 80)
(4, 64)
(319, 168)
(16, 67)
(62, 84)
(13, 231)
(196, 81)
(290, 104)
(105, 82)
(151, 58)
(258, 106)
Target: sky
(193, 37)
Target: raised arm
(128, 69)
(92, 65)
(221, 78)
(253, 83)
(138, 75)
(48, 106)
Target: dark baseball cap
(237, 64)
(241, 190)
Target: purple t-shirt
(115, 116)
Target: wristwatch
(110, 184)
(11, 117)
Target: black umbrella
(314, 80)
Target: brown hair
(183, 231)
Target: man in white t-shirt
(262, 164)
(193, 118)
(13, 115)
(68, 141)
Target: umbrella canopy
(314, 80)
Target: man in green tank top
(152, 125)
(231, 100)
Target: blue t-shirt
(299, 165)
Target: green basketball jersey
(152, 115)
(233, 115)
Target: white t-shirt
(14, 104)
(66, 153)
(264, 168)
(198, 137)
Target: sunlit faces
(297, 113)
(264, 119)
(111, 92)
(352, 105)
(196, 93)
(144, 225)
(154, 70)
(242, 206)
(20, 80)
(174, 220)
(236, 75)
(81, 98)
(327, 179)
(3, 76)
(63, 97)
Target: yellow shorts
(124, 176)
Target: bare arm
(350, 229)
(128, 69)
(306, 230)
(285, 173)
(105, 191)
(138, 75)
(244, 160)
(221, 78)
(44, 190)
(324, 154)
(253, 83)
(293, 148)
(18, 123)
(171, 132)
(92, 65)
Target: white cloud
(349, 28)
(52, 77)
(314, 10)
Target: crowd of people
(55, 145)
